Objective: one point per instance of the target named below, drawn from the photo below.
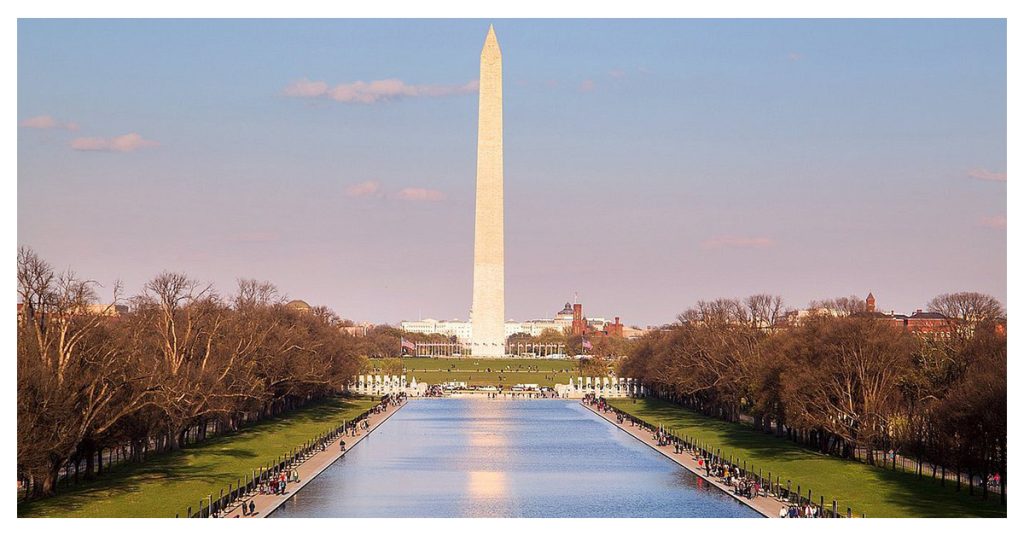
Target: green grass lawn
(507, 372)
(469, 363)
(167, 484)
(507, 379)
(869, 490)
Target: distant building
(112, 310)
(930, 323)
(633, 333)
(358, 330)
(794, 318)
(462, 330)
(107, 309)
(563, 322)
(926, 323)
(299, 305)
(599, 327)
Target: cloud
(617, 73)
(120, 144)
(46, 122)
(305, 88)
(794, 56)
(728, 241)
(986, 175)
(363, 189)
(586, 86)
(420, 194)
(994, 222)
(360, 92)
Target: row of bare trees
(846, 382)
(180, 357)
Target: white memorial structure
(488, 312)
(371, 384)
(607, 386)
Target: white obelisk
(488, 313)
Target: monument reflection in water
(505, 458)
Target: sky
(648, 163)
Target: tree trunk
(90, 464)
(47, 485)
(174, 437)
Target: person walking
(252, 507)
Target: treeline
(182, 357)
(383, 341)
(845, 381)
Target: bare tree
(72, 382)
(765, 310)
(841, 306)
(252, 293)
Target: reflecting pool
(474, 457)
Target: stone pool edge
(762, 505)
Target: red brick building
(921, 322)
(580, 325)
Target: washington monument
(488, 312)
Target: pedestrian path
(767, 506)
(310, 468)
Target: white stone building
(463, 329)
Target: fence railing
(213, 505)
(770, 485)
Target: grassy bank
(873, 491)
(167, 483)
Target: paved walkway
(310, 468)
(766, 506)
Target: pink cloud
(994, 222)
(360, 92)
(363, 189)
(120, 144)
(45, 122)
(794, 56)
(305, 88)
(420, 194)
(587, 86)
(986, 175)
(617, 73)
(728, 241)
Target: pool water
(475, 457)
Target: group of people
(743, 485)
(277, 486)
(396, 399)
(598, 402)
(807, 510)
(249, 508)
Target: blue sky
(648, 163)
